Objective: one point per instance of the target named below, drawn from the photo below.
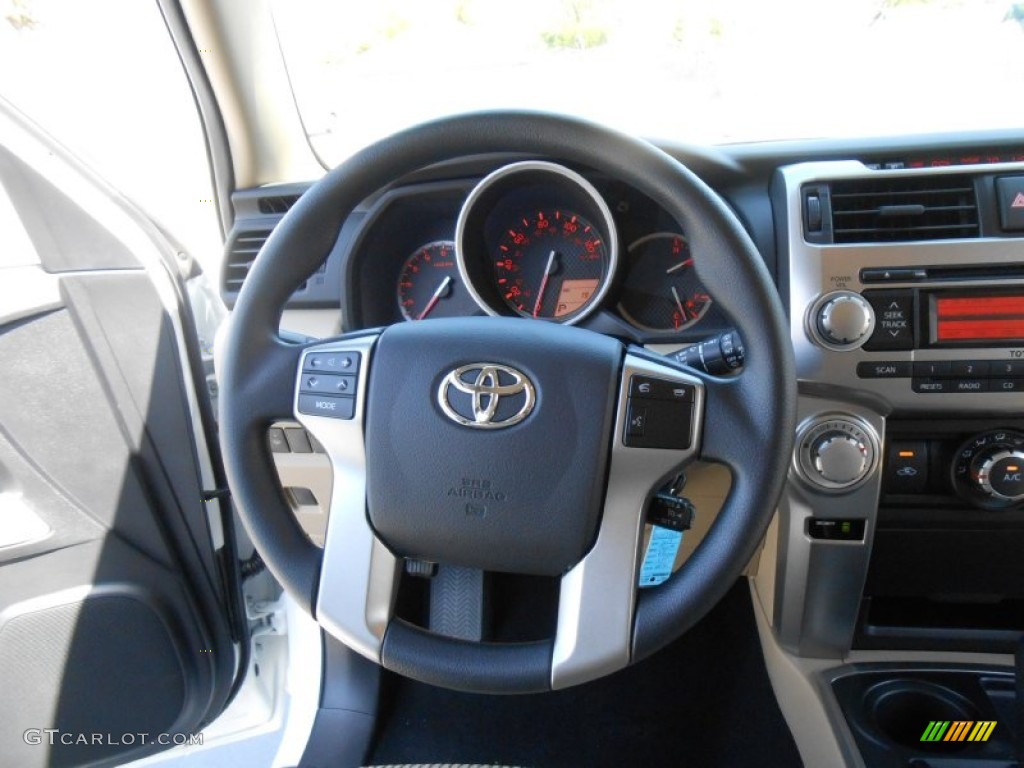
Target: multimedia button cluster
(946, 376)
(328, 384)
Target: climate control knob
(988, 469)
(843, 320)
(840, 458)
(835, 454)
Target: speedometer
(550, 264)
(536, 239)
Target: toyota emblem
(483, 387)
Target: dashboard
(900, 264)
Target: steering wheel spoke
(359, 576)
(658, 427)
(733, 421)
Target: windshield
(708, 71)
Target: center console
(902, 528)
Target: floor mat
(703, 701)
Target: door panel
(119, 601)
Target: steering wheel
(560, 490)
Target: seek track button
(894, 320)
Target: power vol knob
(842, 320)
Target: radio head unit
(913, 317)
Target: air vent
(277, 203)
(898, 209)
(242, 252)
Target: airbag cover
(521, 498)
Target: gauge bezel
(502, 188)
(626, 315)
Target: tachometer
(429, 284)
(661, 291)
(536, 239)
(550, 263)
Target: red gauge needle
(435, 298)
(544, 282)
(680, 265)
(679, 302)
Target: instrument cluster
(533, 239)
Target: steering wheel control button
(836, 530)
(659, 424)
(836, 454)
(650, 388)
(884, 369)
(327, 384)
(844, 320)
(660, 413)
(636, 420)
(906, 468)
(326, 405)
(332, 362)
(894, 327)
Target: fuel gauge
(661, 291)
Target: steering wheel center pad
(524, 498)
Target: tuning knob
(843, 320)
(835, 454)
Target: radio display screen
(964, 319)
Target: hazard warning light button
(1011, 202)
